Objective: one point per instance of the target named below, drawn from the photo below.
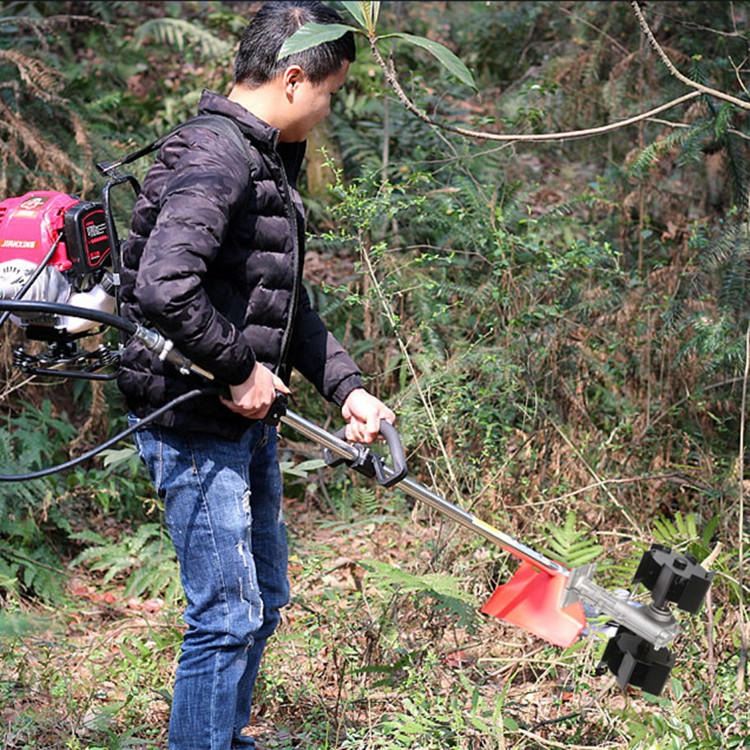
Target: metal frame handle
(336, 450)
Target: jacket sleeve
(208, 181)
(319, 357)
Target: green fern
(719, 272)
(683, 532)
(27, 559)
(180, 34)
(145, 560)
(35, 565)
(365, 500)
(686, 138)
(442, 589)
(569, 545)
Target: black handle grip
(398, 459)
(370, 464)
(277, 410)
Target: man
(214, 259)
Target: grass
(361, 661)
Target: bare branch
(700, 27)
(50, 21)
(737, 72)
(390, 77)
(581, 19)
(741, 669)
(676, 73)
(671, 124)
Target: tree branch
(390, 77)
(676, 73)
(742, 668)
(671, 124)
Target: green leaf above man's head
(311, 35)
(365, 13)
(452, 63)
(355, 8)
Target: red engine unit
(30, 224)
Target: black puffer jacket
(214, 261)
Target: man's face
(312, 102)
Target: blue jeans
(223, 513)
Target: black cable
(55, 308)
(34, 276)
(149, 338)
(107, 444)
(73, 374)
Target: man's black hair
(272, 25)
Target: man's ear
(293, 76)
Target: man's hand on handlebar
(363, 413)
(254, 397)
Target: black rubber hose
(34, 276)
(99, 448)
(53, 308)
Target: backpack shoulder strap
(218, 124)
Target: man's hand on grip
(363, 413)
(253, 398)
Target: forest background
(562, 326)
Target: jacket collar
(257, 130)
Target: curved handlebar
(398, 459)
(370, 464)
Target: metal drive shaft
(344, 450)
(656, 626)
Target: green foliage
(303, 469)
(37, 517)
(597, 286)
(182, 35)
(446, 58)
(29, 523)
(681, 532)
(669, 724)
(357, 10)
(443, 590)
(145, 560)
(688, 140)
(311, 35)
(366, 14)
(570, 545)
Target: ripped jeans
(223, 512)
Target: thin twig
(700, 27)
(667, 411)
(582, 20)
(390, 77)
(565, 745)
(741, 531)
(465, 157)
(603, 483)
(710, 654)
(732, 579)
(51, 20)
(699, 87)
(737, 69)
(11, 388)
(556, 720)
(593, 473)
(672, 124)
(407, 358)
